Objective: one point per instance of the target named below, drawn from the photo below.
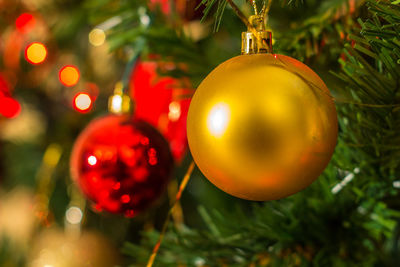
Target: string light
(36, 53)
(82, 102)
(69, 75)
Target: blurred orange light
(69, 75)
(35, 53)
(82, 102)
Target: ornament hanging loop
(253, 2)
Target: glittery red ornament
(158, 101)
(120, 164)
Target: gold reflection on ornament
(218, 119)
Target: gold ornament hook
(256, 40)
(119, 102)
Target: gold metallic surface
(262, 126)
(257, 40)
(119, 102)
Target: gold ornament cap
(119, 103)
(256, 40)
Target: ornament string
(264, 14)
(253, 2)
(119, 102)
(128, 71)
(132, 63)
(265, 10)
(177, 214)
(182, 187)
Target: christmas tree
(192, 133)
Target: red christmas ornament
(156, 103)
(121, 165)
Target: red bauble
(158, 101)
(120, 164)
(187, 9)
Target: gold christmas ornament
(262, 126)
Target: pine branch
(311, 228)
(219, 6)
(326, 30)
(372, 76)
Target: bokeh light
(174, 111)
(69, 75)
(97, 37)
(9, 107)
(92, 160)
(74, 215)
(35, 53)
(82, 102)
(25, 22)
(116, 104)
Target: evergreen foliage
(349, 217)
